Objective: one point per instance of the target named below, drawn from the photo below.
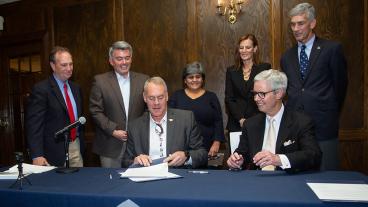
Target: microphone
(80, 121)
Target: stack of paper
(153, 172)
(12, 173)
(342, 192)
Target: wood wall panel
(157, 31)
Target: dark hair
(55, 50)
(193, 68)
(238, 60)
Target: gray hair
(155, 80)
(120, 45)
(193, 68)
(303, 8)
(275, 78)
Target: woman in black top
(239, 83)
(204, 104)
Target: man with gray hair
(277, 138)
(316, 69)
(163, 133)
(115, 99)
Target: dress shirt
(124, 84)
(284, 160)
(308, 47)
(154, 146)
(71, 96)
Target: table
(93, 187)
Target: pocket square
(289, 142)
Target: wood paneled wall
(168, 34)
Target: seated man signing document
(164, 133)
(277, 139)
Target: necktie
(73, 132)
(303, 62)
(270, 142)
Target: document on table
(153, 172)
(12, 173)
(340, 192)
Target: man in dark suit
(164, 133)
(49, 110)
(276, 138)
(116, 97)
(316, 69)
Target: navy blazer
(238, 97)
(183, 134)
(296, 139)
(321, 94)
(46, 114)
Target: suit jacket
(321, 94)
(183, 134)
(46, 114)
(296, 139)
(108, 112)
(238, 97)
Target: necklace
(246, 72)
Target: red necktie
(73, 132)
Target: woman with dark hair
(204, 104)
(239, 83)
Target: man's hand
(241, 122)
(235, 161)
(214, 149)
(120, 135)
(176, 159)
(143, 160)
(40, 161)
(265, 158)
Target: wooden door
(21, 67)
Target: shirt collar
(120, 77)
(278, 115)
(163, 120)
(309, 43)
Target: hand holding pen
(235, 161)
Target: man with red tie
(55, 103)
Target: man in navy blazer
(316, 70)
(277, 138)
(171, 134)
(47, 113)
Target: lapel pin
(171, 119)
(318, 48)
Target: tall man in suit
(316, 69)
(164, 133)
(55, 103)
(115, 99)
(277, 138)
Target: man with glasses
(277, 139)
(115, 99)
(169, 134)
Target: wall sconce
(232, 9)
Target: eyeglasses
(261, 95)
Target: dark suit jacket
(108, 112)
(321, 94)
(46, 114)
(238, 97)
(183, 134)
(296, 128)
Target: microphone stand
(20, 176)
(66, 169)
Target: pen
(110, 176)
(198, 171)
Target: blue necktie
(303, 62)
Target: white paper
(153, 172)
(29, 169)
(8, 176)
(340, 192)
(234, 140)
